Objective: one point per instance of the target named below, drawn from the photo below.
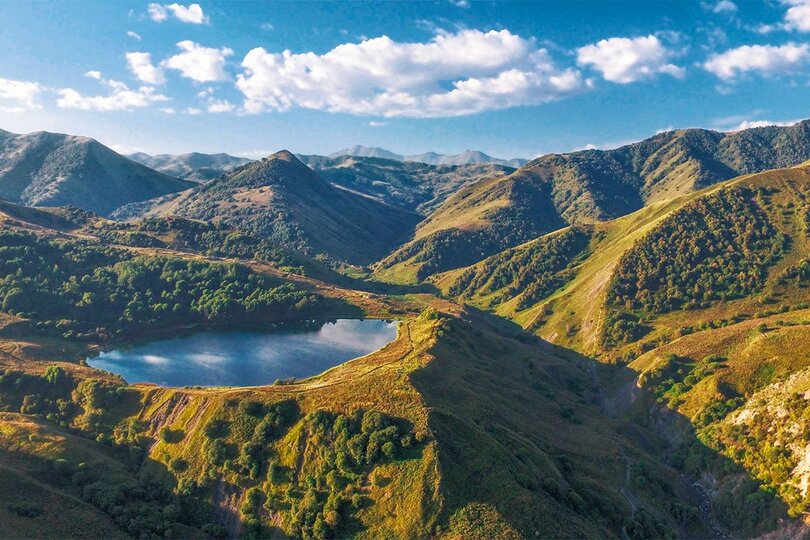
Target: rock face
(53, 169)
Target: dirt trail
(27, 477)
(227, 498)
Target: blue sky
(511, 79)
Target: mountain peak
(55, 169)
(284, 155)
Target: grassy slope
(574, 314)
(481, 219)
(499, 418)
(27, 448)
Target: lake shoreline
(244, 355)
(170, 332)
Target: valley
(597, 344)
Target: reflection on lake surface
(246, 358)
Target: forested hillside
(707, 297)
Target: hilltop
(53, 169)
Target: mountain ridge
(194, 166)
(586, 186)
(411, 185)
(466, 157)
(55, 169)
(281, 198)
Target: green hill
(581, 187)
(281, 199)
(465, 425)
(407, 442)
(52, 169)
(706, 296)
(733, 247)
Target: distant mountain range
(53, 169)
(408, 184)
(193, 166)
(431, 158)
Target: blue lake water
(246, 358)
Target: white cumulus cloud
(140, 63)
(797, 16)
(120, 98)
(625, 60)
(764, 59)
(219, 106)
(452, 74)
(748, 124)
(191, 13)
(134, 35)
(201, 64)
(18, 96)
(721, 6)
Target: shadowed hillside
(52, 169)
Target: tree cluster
(89, 291)
(719, 247)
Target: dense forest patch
(718, 247)
(86, 290)
(211, 239)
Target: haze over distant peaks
(192, 166)
(431, 158)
